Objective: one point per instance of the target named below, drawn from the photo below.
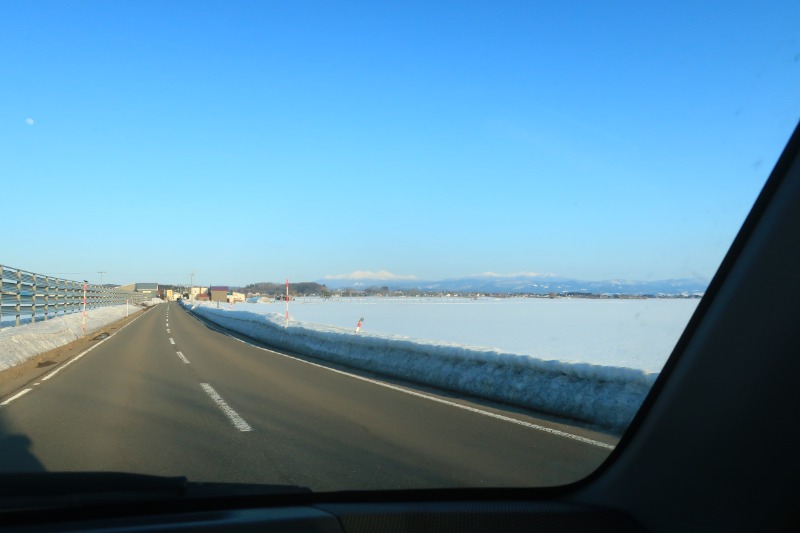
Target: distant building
(195, 292)
(218, 293)
(147, 288)
(235, 296)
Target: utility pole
(101, 276)
(191, 280)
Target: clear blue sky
(251, 141)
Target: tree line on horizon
(303, 288)
(306, 288)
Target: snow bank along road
(169, 395)
(608, 396)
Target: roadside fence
(27, 294)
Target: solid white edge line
(183, 357)
(504, 418)
(17, 395)
(237, 421)
(65, 365)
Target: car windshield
(363, 246)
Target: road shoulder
(16, 377)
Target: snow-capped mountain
(529, 284)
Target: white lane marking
(183, 358)
(65, 365)
(232, 415)
(171, 340)
(530, 425)
(17, 395)
(167, 330)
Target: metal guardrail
(38, 296)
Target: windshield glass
(365, 246)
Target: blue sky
(251, 141)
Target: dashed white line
(17, 395)
(171, 340)
(167, 330)
(237, 421)
(183, 357)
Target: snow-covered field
(593, 360)
(18, 344)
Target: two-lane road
(168, 395)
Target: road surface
(169, 395)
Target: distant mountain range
(529, 284)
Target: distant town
(277, 291)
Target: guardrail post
(18, 307)
(76, 294)
(63, 288)
(46, 296)
(34, 289)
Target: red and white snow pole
(360, 321)
(287, 302)
(83, 322)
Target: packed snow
(569, 357)
(18, 344)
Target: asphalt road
(169, 395)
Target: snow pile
(604, 395)
(18, 344)
(259, 299)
